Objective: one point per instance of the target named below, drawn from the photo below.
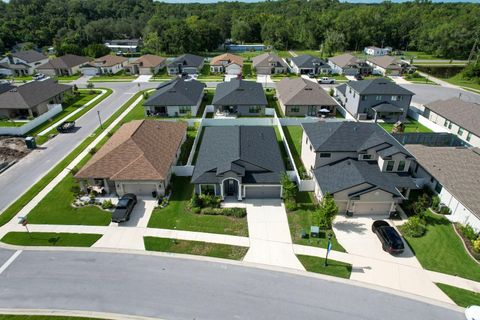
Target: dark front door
(230, 187)
(161, 110)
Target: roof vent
(308, 89)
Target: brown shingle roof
(149, 61)
(109, 60)
(65, 62)
(386, 62)
(231, 58)
(139, 150)
(344, 60)
(301, 92)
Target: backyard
(411, 125)
(273, 102)
(187, 146)
(293, 135)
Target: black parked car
(124, 208)
(358, 77)
(389, 237)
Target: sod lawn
(293, 135)
(411, 126)
(27, 317)
(461, 297)
(334, 268)
(51, 239)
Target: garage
(139, 189)
(372, 208)
(262, 192)
(89, 71)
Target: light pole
(329, 247)
(99, 119)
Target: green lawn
(187, 146)
(461, 297)
(247, 71)
(315, 53)
(195, 247)
(69, 78)
(283, 150)
(273, 103)
(177, 215)
(334, 268)
(8, 123)
(206, 74)
(207, 100)
(411, 126)
(441, 250)
(417, 78)
(51, 239)
(21, 79)
(420, 55)
(293, 135)
(119, 76)
(459, 81)
(27, 317)
(248, 55)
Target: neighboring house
(125, 45)
(66, 65)
(175, 98)
(137, 159)
(301, 97)
(375, 99)
(386, 65)
(31, 99)
(240, 97)
(227, 63)
(307, 64)
(108, 64)
(362, 166)
(459, 117)
(22, 63)
(349, 65)
(376, 51)
(454, 174)
(269, 63)
(148, 64)
(239, 162)
(187, 63)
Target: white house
(108, 64)
(376, 51)
(22, 63)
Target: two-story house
(362, 166)
(22, 63)
(348, 64)
(269, 63)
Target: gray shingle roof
(345, 60)
(378, 86)
(29, 55)
(177, 92)
(188, 60)
(65, 62)
(239, 92)
(308, 61)
(387, 107)
(342, 88)
(302, 92)
(267, 60)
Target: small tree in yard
(90, 86)
(289, 192)
(327, 210)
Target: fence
(432, 139)
(20, 131)
(183, 171)
(426, 122)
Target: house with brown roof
(227, 63)
(108, 64)
(269, 63)
(385, 65)
(66, 65)
(137, 159)
(348, 64)
(301, 97)
(147, 64)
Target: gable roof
(300, 92)
(228, 149)
(308, 61)
(231, 58)
(29, 55)
(345, 60)
(109, 60)
(188, 60)
(148, 61)
(267, 59)
(177, 92)
(239, 92)
(139, 150)
(30, 94)
(386, 62)
(464, 114)
(378, 86)
(65, 62)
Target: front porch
(387, 112)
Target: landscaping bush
(195, 202)
(331, 92)
(107, 204)
(445, 210)
(228, 212)
(468, 232)
(436, 203)
(476, 245)
(414, 227)
(92, 151)
(205, 201)
(290, 205)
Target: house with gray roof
(375, 99)
(269, 63)
(307, 64)
(239, 162)
(65, 65)
(386, 65)
(175, 98)
(22, 63)
(348, 64)
(186, 63)
(362, 166)
(239, 97)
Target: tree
(334, 42)
(96, 50)
(327, 210)
(289, 191)
(241, 31)
(152, 43)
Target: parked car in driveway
(38, 76)
(389, 237)
(124, 208)
(326, 80)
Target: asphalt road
(172, 288)
(425, 93)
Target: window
(325, 155)
(184, 109)
(449, 125)
(366, 156)
(364, 98)
(207, 189)
(445, 124)
(306, 140)
(255, 109)
(354, 94)
(390, 165)
(311, 149)
(378, 98)
(460, 131)
(438, 187)
(401, 165)
(295, 109)
(469, 136)
(393, 98)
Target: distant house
(31, 99)
(385, 65)
(269, 63)
(240, 97)
(376, 51)
(349, 65)
(137, 159)
(124, 45)
(375, 99)
(244, 47)
(227, 63)
(148, 64)
(66, 65)
(108, 64)
(301, 97)
(307, 64)
(175, 98)
(22, 63)
(459, 117)
(187, 63)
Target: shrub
(422, 204)
(468, 232)
(476, 245)
(92, 151)
(75, 189)
(196, 210)
(228, 212)
(331, 92)
(414, 227)
(107, 204)
(436, 203)
(195, 202)
(290, 205)
(445, 210)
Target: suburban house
(349, 65)
(454, 174)
(22, 63)
(307, 64)
(269, 63)
(240, 97)
(148, 64)
(227, 63)
(362, 166)
(301, 97)
(137, 159)
(66, 65)
(459, 117)
(124, 45)
(175, 98)
(239, 162)
(385, 65)
(375, 99)
(108, 64)
(31, 99)
(187, 63)
(376, 51)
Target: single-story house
(298, 96)
(376, 51)
(137, 159)
(385, 65)
(227, 63)
(147, 64)
(22, 63)
(454, 174)
(240, 97)
(239, 162)
(108, 64)
(348, 64)
(124, 45)
(175, 98)
(31, 99)
(307, 64)
(187, 63)
(269, 63)
(66, 65)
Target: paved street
(426, 93)
(172, 288)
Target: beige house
(108, 64)
(66, 65)
(227, 63)
(269, 63)
(148, 64)
(385, 65)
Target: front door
(230, 187)
(161, 110)
(312, 110)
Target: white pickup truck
(326, 80)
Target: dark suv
(389, 237)
(124, 208)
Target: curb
(73, 313)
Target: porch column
(82, 185)
(105, 185)
(392, 207)
(375, 117)
(221, 190)
(239, 191)
(30, 113)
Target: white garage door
(372, 207)
(139, 189)
(263, 192)
(89, 72)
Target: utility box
(30, 142)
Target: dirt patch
(12, 148)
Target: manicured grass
(187, 146)
(247, 71)
(411, 126)
(198, 248)
(461, 297)
(177, 215)
(69, 78)
(21, 79)
(120, 76)
(293, 135)
(334, 268)
(207, 100)
(197, 150)
(315, 53)
(420, 55)
(283, 150)
(440, 249)
(273, 103)
(51, 239)
(248, 55)
(7, 123)
(459, 81)
(206, 74)
(417, 78)
(27, 317)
